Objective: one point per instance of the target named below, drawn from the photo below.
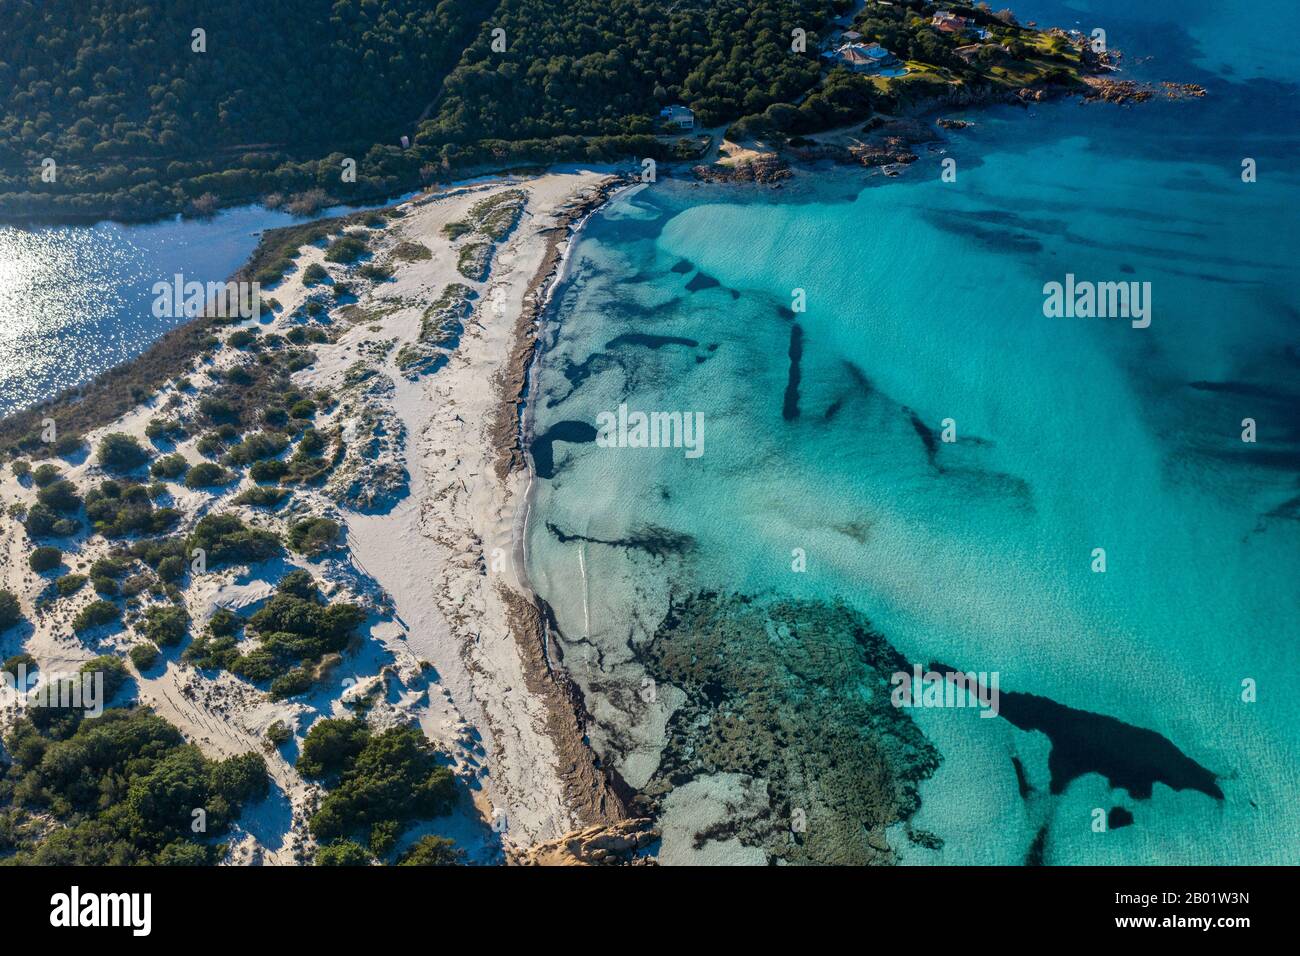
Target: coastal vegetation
(377, 783)
(94, 615)
(441, 326)
(995, 55)
(45, 558)
(314, 536)
(294, 631)
(224, 539)
(117, 509)
(228, 411)
(10, 610)
(120, 453)
(120, 789)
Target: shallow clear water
(925, 303)
(76, 300)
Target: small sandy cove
(453, 640)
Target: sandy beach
(431, 493)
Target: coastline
(457, 642)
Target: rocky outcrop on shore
(615, 844)
(1123, 92)
(764, 169)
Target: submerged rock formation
(793, 694)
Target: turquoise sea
(924, 302)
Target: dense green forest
(608, 66)
(138, 122)
(117, 790)
(116, 93)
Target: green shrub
(170, 466)
(241, 338)
(10, 610)
(21, 467)
(21, 659)
(118, 789)
(313, 536)
(153, 551)
(95, 615)
(60, 496)
(65, 446)
(207, 474)
(109, 567)
(342, 853)
(396, 776)
(291, 683)
(310, 443)
(70, 584)
(106, 587)
(45, 474)
(143, 656)
(432, 851)
(314, 273)
(44, 559)
(165, 626)
(168, 429)
(331, 745)
(225, 539)
(241, 779)
(120, 508)
(218, 410)
(218, 440)
(375, 272)
(261, 497)
(257, 447)
(346, 249)
(41, 522)
(120, 453)
(303, 409)
(114, 671)
(171, 568)
(412, 252)
(278, 733)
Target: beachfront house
(678, 116)
(945, 21)
(863, 57)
